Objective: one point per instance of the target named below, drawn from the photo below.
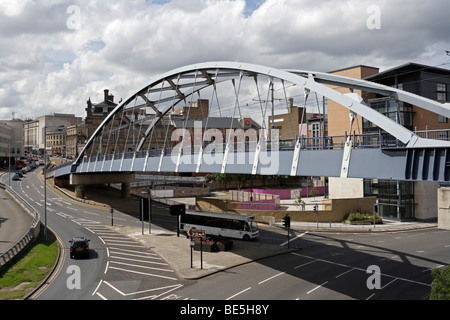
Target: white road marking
(143, 273)
(279, 274)
(229, 298)
(319, 286)
(299, 236)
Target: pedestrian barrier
(33, 233)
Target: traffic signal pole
(287, 225)
(288, 237)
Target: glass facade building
(396, 199)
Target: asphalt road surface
(117, 268)
(327, 266)
(378, 266)
(15, 222)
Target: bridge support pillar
(80, 191)
(126, 190)
(444, 208)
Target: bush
(362, 217)
(440, 287)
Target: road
(118, 267)
(336, 267)
(15, 222)
(328, 266)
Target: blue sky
(53, 59)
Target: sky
(56, 54)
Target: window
(442, 119)
(441, 92)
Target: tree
(440, 287)
(300, 202)
(313, 193)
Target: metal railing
(359, 141)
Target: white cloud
(45, 66)
(13, 8)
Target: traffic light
(315, 208)
(287, 221)
(177, 209)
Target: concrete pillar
(126, 190)
(444, 208)
(79, 191)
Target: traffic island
(177, 252)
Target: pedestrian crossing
(132, 270)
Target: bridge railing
(359, 141)
(434, 134)
(307, 143)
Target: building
(112, 138)
(96, 113)
(401, 199)
(396, 199)
(76, 138)
(35, 130)
(5, 144)
(16, 141)
(56, 142)
(289, 125)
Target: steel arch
(313, 81)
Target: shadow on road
(338, 263)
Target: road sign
(197, 233)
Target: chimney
(89, 108)
(106, 96)
(291, 104)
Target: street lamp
(45, 179)
(9, 165)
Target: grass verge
(29, 271)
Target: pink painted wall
(259, 205)
(287, 193)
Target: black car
(79, 247)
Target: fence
(256, 201)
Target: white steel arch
(208, 74)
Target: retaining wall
(333, 210)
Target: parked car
(79, 247)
